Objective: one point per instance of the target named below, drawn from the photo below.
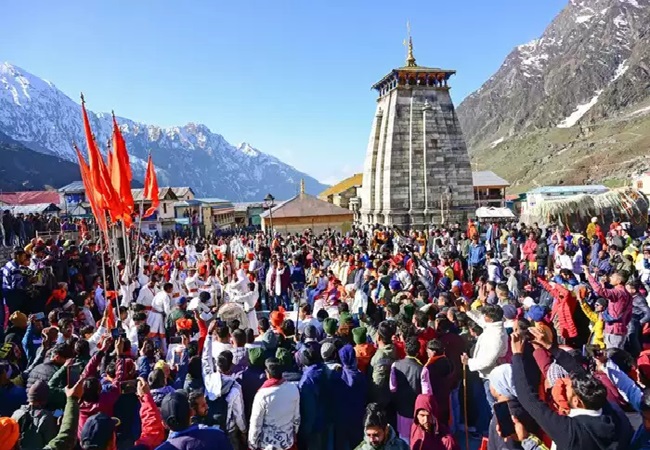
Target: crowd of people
(507, 336)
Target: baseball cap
(97, 431)
(175, 410)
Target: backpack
(30, 421)
(218, 408)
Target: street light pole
(269, 201)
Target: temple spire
(410, 59)
(302, 186)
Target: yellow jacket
(598, 325)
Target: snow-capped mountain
(591, 62)
(34, 112)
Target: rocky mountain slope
(24, 169)
(35, 113)
(562, 106)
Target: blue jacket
(298, 274)
(313, 386)
(11, 398)
(196, 437)
(31, 342)
(476, 256)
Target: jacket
(67, 436)
(275, 418)
(541, 254)
(619, 307)
(437, 377)
(393, 442)
(108, 397)
(350, 392)
(598, 325)
(476, 256)
(12, 397)
(42, 430)
(153, 431)
(490, 346)
(196, 437)
(43, 372)
(438, 438)
(379, 374)
(31, 342)
(582, 429)
(640, 309)
(564, 307)
(424, 337)
(405, 384)
(313, 385)
(250, 381)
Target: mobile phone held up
(73, 373)
(504, 419)
(39, 316)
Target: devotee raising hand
(540, 338)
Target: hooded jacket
(350, 391)
(379, 374)
(438, 438)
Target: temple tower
(417, 170)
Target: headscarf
(501, 380)
(277, 319)
(183, 324)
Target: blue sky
(292, 78)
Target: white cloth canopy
(485, 212)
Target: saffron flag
(100, 215)
(99, 178)
(151, 188)
(120, 171)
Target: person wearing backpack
(224, 395)
(37, 424)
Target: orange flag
(151, 188)
(99, 177)
(121, 175)
(100, 215)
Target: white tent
(485, 212)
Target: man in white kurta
(192, 283)
(146, 295)
(161, 305)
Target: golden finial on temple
(302, 186)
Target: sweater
(196, 437)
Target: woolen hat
(284, 357)
(98, 431)
(360, 335)
(256, 356)
(38, 392)
(181, 300)
(330, 326)
(310, 332)
(345, 318)
(509, 311)
(175, 410)
(328, 351)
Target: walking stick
(465, 406)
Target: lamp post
(269, 202)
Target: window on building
(164, 208)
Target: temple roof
(305, 205)
(354, 180)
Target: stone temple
(417, 170)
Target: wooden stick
(465, 406)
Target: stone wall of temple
(417, 170)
